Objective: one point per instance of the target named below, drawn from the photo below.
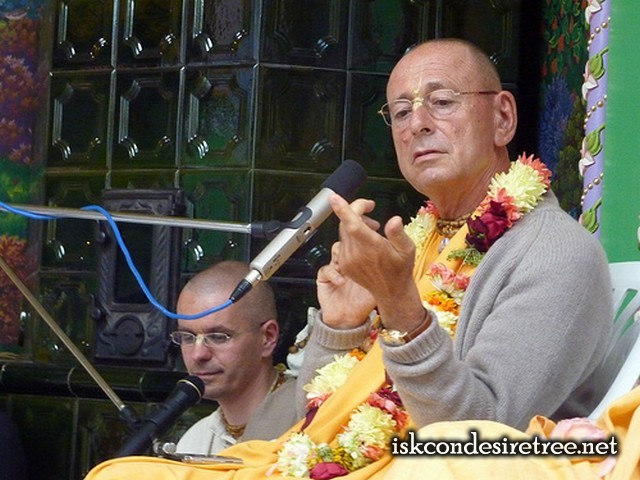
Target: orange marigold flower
(443, 302)
(357, 353)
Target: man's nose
(200, 351)
(421, 119)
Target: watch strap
(397, 337)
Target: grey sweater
(533, 326)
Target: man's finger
(361, 206)
(371, 223)
(394, 231)
(328, 274)
(335, 254)
(350, 212)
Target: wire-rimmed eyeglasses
(439, 103)
(212, 339)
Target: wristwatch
(397, 337)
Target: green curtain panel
(621, 181)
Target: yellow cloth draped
(621, 419)
(259, 457)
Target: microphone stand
(126, 412)
(140, 218)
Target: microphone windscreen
(346, 179)
(185, 394)
(193, 388)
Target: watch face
(392, 337)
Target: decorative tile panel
(68, 299)
(305, 32)
(382, 30)
(300, 117)
(146, 119)
(218, 196)
(150, 32)
(49, 424)
(69, 243)
(79, 120)
(101, 432)
(149, 179)
(221, 31)
(218, 117)
(368, 138)
(83, 33)
(492, 25)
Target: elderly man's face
(453, 151)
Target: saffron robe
(259, 457)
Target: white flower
(419, 228)
(368, 427)
(522, 183)
(331, 377)
(371, 425)
(293, 457)
(446, 320)
(449, 288)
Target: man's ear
(270, 335)
(506, 118)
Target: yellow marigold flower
(341, 457)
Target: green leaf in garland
(469, 256)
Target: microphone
(185, 394)
(344, 181)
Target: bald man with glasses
(231, 350)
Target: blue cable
(25, 213)
(127, 256)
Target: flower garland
(511, 195)
(372, 424)
(365, 438)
